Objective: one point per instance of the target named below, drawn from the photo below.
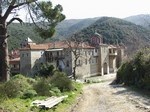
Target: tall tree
(43, 14)
(75, 46)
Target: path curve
(103, 97)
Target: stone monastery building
(95, 58)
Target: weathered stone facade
(94, 59)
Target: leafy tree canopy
(44, 16)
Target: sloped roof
(59, 44)
(35, 47)
(65, 44)
(112, 46)
(14, 61)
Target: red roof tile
(14, 61)
(59, 44)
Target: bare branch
(0, 8)
(32, 17)
(21, 4)
(11, 7)
(13, 19)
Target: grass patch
(24, 105)
(64, 106)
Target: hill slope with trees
(63, 30)
(19, 32)
(115, 31)
(143, 20)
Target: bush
(29, 94)
(13, 89)
(42, 87)
(3, 96)
(120, 74)
(16, 86)
(136, 71)
(55, 91)
(46, 70)
(60, 80)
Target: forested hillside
(64, 29)
(19, 32)
(113, 30)
(143, 20)
(68, 27)
(116, 30)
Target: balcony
(59, 57)
(112, 52)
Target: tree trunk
(4, 59)
(74, 69)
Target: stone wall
(25, 62)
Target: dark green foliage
(55, 91)
(64, 29)
(29, 94)
(115, 31)
(46, 70)
(136, 71)
(60, 80)
(49, 17)
(13, 89)
(42, 87)
(16, 86)
(20, 32)
(3, 96)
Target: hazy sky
(75, 9)
(78, 9)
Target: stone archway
(105, 68)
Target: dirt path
(103, 97)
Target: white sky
(79, 9)
(75, 9)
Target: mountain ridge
(68, 28)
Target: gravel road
(103, 97)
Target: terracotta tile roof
(39, 46)
(14, 61)
(35, 47)
(64, 44)
(59, 44)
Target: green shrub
(136, 71)
(13, 89)
(3, 96)
(60, 80)
(54, 91)
(46, 70)
(16, 86)
(29, 94)
(120, 74)
(42, 87)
